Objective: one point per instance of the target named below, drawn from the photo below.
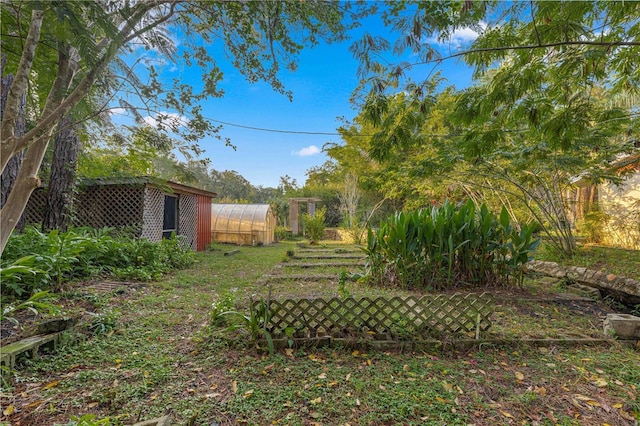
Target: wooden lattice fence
(397, 316)
(97, 206)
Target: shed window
(170, 220)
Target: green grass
(161, 360)
(617, 261)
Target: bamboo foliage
(442, 247)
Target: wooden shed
(149, 208)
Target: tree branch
(525, 47)
(18, 87)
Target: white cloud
(170, 119)
(307, 151)
(117, 111)
(459, 38)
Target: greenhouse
(242, 224)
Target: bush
(34, 260)
(438, 248)
(281, 233)
(314, 225)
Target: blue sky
(321, 86)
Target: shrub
(314, 225)
(438, 248)
(34, 260)
(281, 233)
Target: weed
(225, 303)
(343, 292)
(254, 323)
(38, 303)
(88, 420)
(103, 322)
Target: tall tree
(258, 35)
(64, 167)
(10, 172)
(534, 119)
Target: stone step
(321, 264)
(330, 256)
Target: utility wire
(262, 129)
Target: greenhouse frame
(242, 224)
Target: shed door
(170, 221)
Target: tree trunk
(64, 166)
(13, 166)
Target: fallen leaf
(347, 377)
(447, 386)
(9, 410)
(289, 352)
(594, 403)
(582, 397)
(322, 376)
(268, 368)
(601, 383)
(35, 404)
(316, 401)
(50, 385)
(542, 391)
(212, 395)
(519, 376)
(234, 386)
(507, 415)
(93, 404)
(248, 393)
(618, 405)
(626, 415)
(357, 402)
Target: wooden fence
(427, 316)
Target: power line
(263, 129)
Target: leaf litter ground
(160, 360)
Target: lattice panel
(109, 205)
(34, 211)
(188, 211)
(153, 214)
(428, 315)
(96, 206)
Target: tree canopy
(548, 104)
(59, 51)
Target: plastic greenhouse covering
(242, 224)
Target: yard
(149, 351)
